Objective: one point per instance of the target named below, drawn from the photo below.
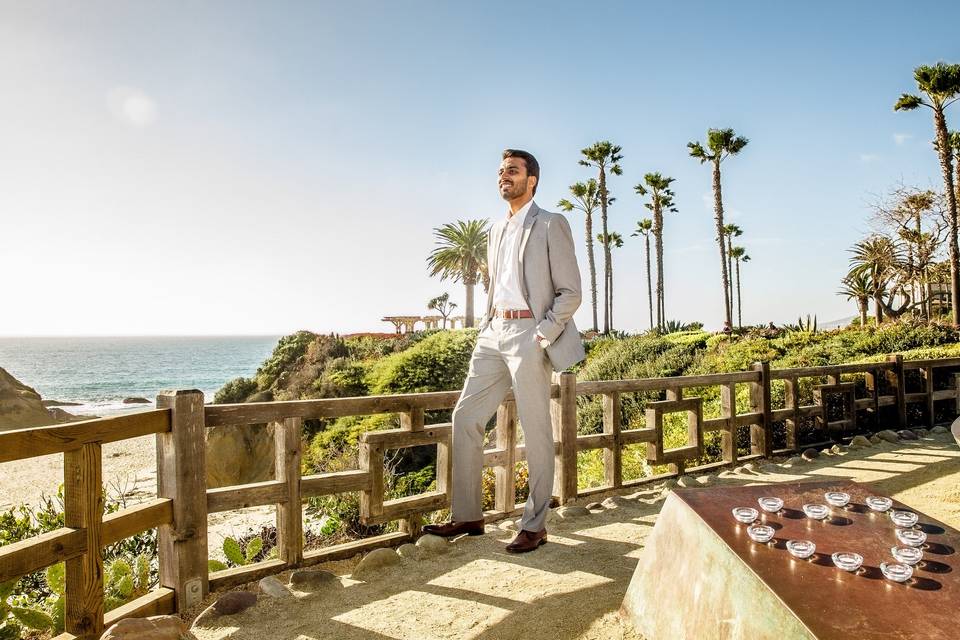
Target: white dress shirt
(507, 291)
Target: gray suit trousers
(507, 355)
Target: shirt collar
(520, 216)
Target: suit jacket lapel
(527, 226)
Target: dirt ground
(571, 588)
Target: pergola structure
(407, 324)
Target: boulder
(705, 481)
(435, 544)
(594, 506)
(409, 551)
(572, 511)
(888, 435)
(234, 602)
(835, 449)
(745, 470)
(311, 579)
(274, 588)
(792, 461)
(58, 403)
(239, 454)
(152, 628)
(859, 442)
(374, 563)
(810, 454)
(921, 433)
(60, 415)
(135, 400)
(20, 406)
(508, 525)
(906, 434)
(615, 501)
(939, 430)
(875, 439)
(686, 481)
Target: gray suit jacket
(550, 283)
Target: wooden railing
(183, 500)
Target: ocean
(99, 372)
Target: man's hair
(533, 167)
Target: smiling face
(514, 181)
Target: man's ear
(535, 181)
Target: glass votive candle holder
(837, 498)
(746, 515)
(816, 511)
(760, 533)
(904, 518)
(896, 571)
(847, 560)
(911, 537)
(802, 549)
(770, 504)
(879, 503)
(907, 555)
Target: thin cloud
(869, 157)
(132, 106)
(901, 138)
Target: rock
(810, 454)
(433, 544)
(135, 401)
(670, 483)
(20, 406)
(939, 430)
(888, 435)
(614, 502)
(572, 511)
(686, 481)
(311, 579)
(152, 628)
(769, 468)
(594, 506)
(790, 462)
(375, 562)
(906, 434)
(274, 588)
(508, 525)
(409, 551)
(239, 454)
(751, 466)
(705, 481)
(234, 602)
(58, 403)
(835, 449)
(745, 470)
(60, 415)
(858, 442)
(921, 433)
(875, 439)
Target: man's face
(513, 179)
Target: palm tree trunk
(468, 305)
(611, 296)
(649, 283)
(739, 298)
(878, 308)
(862, 305)
(946, 162)
(730, 268)
(658, 237)
(718, 213)
(606, 252)
(593, 268)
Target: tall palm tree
(461, 256)
(940, 84)
(721, 144)
(661, 199)
(645, 228)
(738, 255)
(731, 231)
(879, 257)
(604, 156)
(610, 241)
(856, 286)
(586, 198)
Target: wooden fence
(183, 500)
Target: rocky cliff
(20, 406)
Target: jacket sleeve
(486, 307)
(565, 275)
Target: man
(527, 331)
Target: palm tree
(461, 256)
(738, 255)
(604, 156)
(856, 286)
(586, 196)
(610, 240)
(661, 199)
(722, 143)
(879, 258)
(941, 86)
(731, 231)
(443, 306)
(644, 228)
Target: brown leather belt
(512, 314)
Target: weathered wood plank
(761, 435)
(412, 420)
(897, 381)
(182, 477)
(132, 520)
(402, 507)
(322, 484)
(371, 498)
(241, 496)
(505, 488)
(636, 436)
(156, 603)
(287, 447)
(728, 409)
(399, 438)
(563, 411)
(19, 444)
(350, 549)
(612, 424)
(593, 387)
(83, 509)
(239, 575)
(20, 558)
(595, 441)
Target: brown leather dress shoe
(527, 541)
(451, 529)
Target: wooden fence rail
(184, 501)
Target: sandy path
(571, 588)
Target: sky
(263, 167)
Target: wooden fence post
(728, 408)
(897, 380)
(287, 445)
(612, 456)
(505, 487)
(928, 387)
(83, 509)
(791, 400)
(564, 414)
(761, 436)
(182, 477)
